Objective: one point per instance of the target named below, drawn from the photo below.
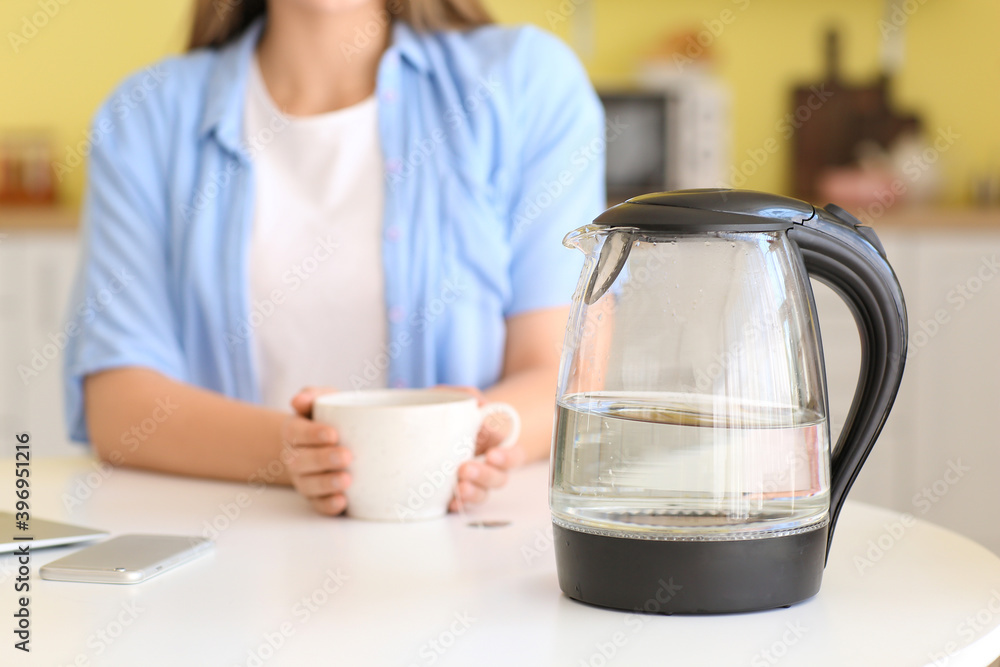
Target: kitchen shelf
(39, 218)
(43, 218)
(914, 217)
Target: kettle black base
(690, 577)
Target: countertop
(43, 218)
(287, 587)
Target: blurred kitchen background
(886, 107)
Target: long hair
(217, 22)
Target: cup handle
(486, 411)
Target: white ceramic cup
(406, 447)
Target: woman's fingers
(494, 429)
(320, 485)
(302, 432)
(302, 402)
(476, 478)
(317, 473)
(470, 493)
(315, 460)
(312, 460)
(506, 458)
(482, 474)
(329, 505)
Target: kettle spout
(584, 238)
(609, 247)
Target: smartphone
(126, 559)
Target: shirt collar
(227, 81)
(406, 41)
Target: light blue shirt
(493, 141)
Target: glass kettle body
(691, 445)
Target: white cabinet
(36, 274)
(957, 387)
(13, 398)
(939, 455)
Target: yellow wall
(59, 77)
(951, 75)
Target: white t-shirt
(316, 282)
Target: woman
(328, 192)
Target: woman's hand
(316, 461)
(477, 477)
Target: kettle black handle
(840, 252)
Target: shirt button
(393, 233)
(396, 314)
(394, 165)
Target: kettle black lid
(713, 209)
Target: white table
(287, 587)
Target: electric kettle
(691, 468)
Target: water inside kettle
(666, 465)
